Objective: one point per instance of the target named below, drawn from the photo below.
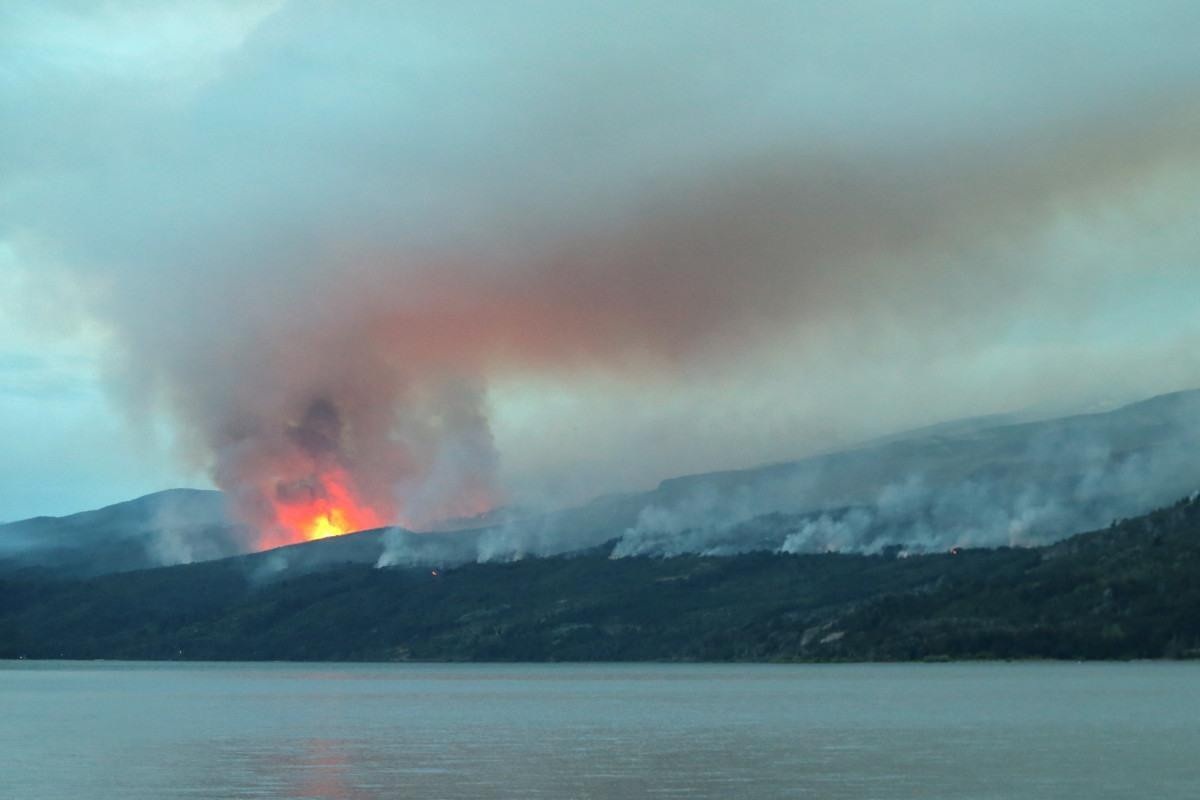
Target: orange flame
(330, 508)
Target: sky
(452, 255)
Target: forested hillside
(1131, 591)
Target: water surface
(93, 731)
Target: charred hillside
(1130, 591)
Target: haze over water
(132, 731)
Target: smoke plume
(317, 241)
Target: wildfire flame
(319, 476)
(324, 506)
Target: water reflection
(318, 771)
(459, 733)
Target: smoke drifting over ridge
(992, 482)
(317, 247)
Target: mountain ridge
(1131, 590)
(982, 483)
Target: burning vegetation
(324, 506)
(305, 482)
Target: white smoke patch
(399, 550)
(511, 540)
(172, 546)
(403, 548)
(830, 533)
(707, 520)
(1064, 479)
(173, 539)
(521, 533)
(521, 538)
(16, 538)
(185, 527)
(274, 564)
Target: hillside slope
(170, 527)
(985, 482)
(1132, 591)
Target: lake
(98, 730)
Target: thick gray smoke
(1010, 486)
(990, 484)
(316, 243)
(995, 511)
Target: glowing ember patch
(320, 520)
(326, 507)
(327, 525)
